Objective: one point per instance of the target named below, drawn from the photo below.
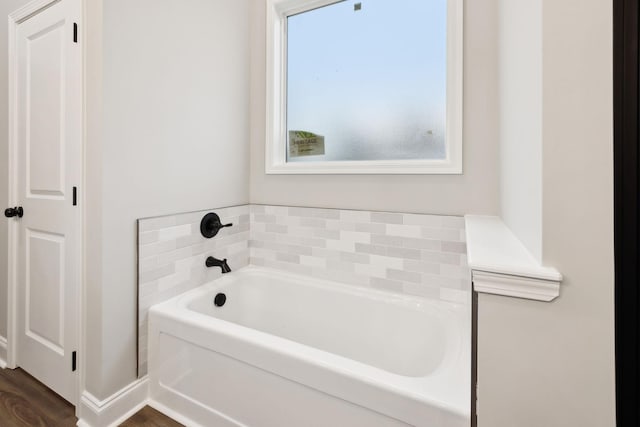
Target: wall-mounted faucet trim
(214, 262)
(211, 225)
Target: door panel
(45, 122)
(49, 125)
(44, 286)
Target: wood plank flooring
(25, 402)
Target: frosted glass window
(367, 80)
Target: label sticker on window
(302, 143)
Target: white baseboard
(176, 416)
(3, 352)
(112, 411)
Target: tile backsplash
(414, 254)
(171, 256)
(406, 253)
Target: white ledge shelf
(500, 264)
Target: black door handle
(11, 212)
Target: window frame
(276, 96)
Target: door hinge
(75, 32)
(73, 361)
(75, 196)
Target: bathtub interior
(397, 333)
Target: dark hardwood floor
(25, 402)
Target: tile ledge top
(492, 247)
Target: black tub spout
(222, 263)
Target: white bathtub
(289, 350)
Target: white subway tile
(147, 264)
(404, 230)
(371, 270)
(386, 240)
(455, 295)
(173, 256)
(264, 218)
(371, 249)
(423, 220)
(313, 261)
(189, 218)
(355, 216)
(190, 240)
(341, 225)
(326, 213)
(387, 218)
(455, 271)
(148, 237)
(326, 234)
(150, 224)
(403, 253)
(455, 247)
(301, 212)
(300, 250)
(340, 245)
(298, 231)
(404, 276)
(258, 227)
(170, 282)
(355, 258)
(148, 288)
(428, 244)
(422, 266)
(284, 257)
(312, 222)
(453, 222)
(386, 284)
(370, 227)
(449, 234)
(355, 237)
(156, 273)
(254, 260)
(387, 262)
(276, 228)
(337, 265)
(151, 249)
(441, 257)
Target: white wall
(91, 354)
(6, 7)
(174, 139)
(474, 192)
(552, 364)
(520, 87)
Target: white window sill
(403, 167)
(501, 265)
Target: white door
(49, 131)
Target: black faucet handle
(211, 225)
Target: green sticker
(302, 143)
